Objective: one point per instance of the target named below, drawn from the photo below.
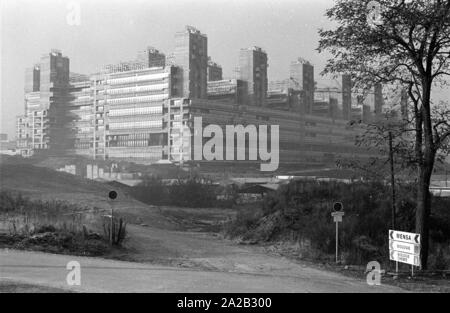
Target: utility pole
(391, 161)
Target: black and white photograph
(225, 153)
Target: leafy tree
(404, 43)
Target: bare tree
(405, 43)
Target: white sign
(404, 257)
(337, 216)
(404, 236)
(405, 247)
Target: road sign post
(112, 196)
(404, 247)
(337, 242)
(337, 218)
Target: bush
(301, 211)
(246, 220)
(118, 228)
(151, 190)
(56, 225)
(194, 192)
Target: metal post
(182, 134)
(412, 270)
(111, 226)
(396, 267)
(337, 241)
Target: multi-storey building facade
(42, 127)
(326, 104)
(346, 96)
(378, 100)
(151, 57)
(302, 77)
(143, 110)
(32, 78)
(139, 115)
(253, 70)
(305, 140)
(232, 90)
(80, 115)
(191, 55)
(214, 71)
(132, 113)
(282, 96)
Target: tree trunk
(425, 169)
(391, 161)
(423, 212)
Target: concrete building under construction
(143, 110)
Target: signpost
(337, 218)
(404, 247)
(404, 257)
(112, 196)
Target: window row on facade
(137, 89)
(156, 97)
(136, 111)
(139, 78)
(139, 124)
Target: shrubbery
(151, 190)
(300, 211)
(55, 226)
(246, 219)
(193, 192)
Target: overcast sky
(113, 30)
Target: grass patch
(56, 226)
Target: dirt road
(99, 275)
